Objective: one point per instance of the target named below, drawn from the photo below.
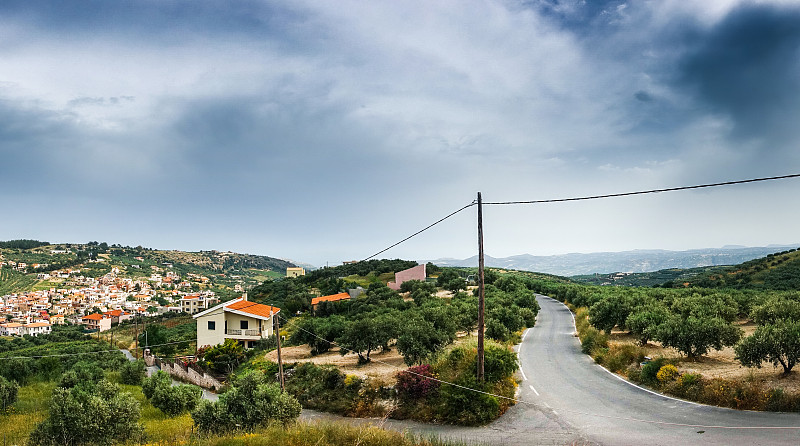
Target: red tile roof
(331, 298)
(253, 308)
(94, 317)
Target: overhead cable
(420, 231)
(643, 192)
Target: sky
(326, 131)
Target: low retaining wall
(183, 373)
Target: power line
(643, 192)
(92, 352)
(420, 231)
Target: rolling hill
(637, 261)
(224, 270)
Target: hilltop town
(96, 285)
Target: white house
(238, 319)
(36, 328)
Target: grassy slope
(32, 405)
(675, 275)
(250, 270)
(14, 282)
(780, 271)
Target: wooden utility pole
(136, 339)
(280, 362)
(481, 291)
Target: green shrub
(8, 393)
(496, 330)
(133, 372)
(87, 415)
(592, 338)
(251, 402)
(175, 400)
(498, 363)
(780, 401)
(650, 370)
(160, 379)
(223, 358)
(466, 407)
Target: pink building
(415, 273)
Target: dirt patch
(384, 365)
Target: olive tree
(694, 336)
(778, 343)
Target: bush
(133, 372)
(224, 358)
(8, 393)
(416, 382)
(249, 403)
(650, 370)
(150, 385)
(667, 373)
(634, 374)
(592, 338)
(499, 363)
(466, 407)
(175, 400)
(497, 331)
(620, 356)
(89, 414)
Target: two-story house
(195, 303)
(97, 321)
(238, 319)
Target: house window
(212, 325)
(243, 325)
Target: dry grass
(390, 363)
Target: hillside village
(98, 285)
(97, 303)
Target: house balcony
(243, 334)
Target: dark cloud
(162, 22)
(643, 96)
(25, 133)
(747, 67)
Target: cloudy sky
(325, 131)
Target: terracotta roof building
(239, 319)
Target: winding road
(601, 407)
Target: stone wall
(183, 373)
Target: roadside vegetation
(431, 325)
(704, 344)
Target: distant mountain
(637, 261)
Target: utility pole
(136, 339)
(481, 291)
(280, 362)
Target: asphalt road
(599, 406)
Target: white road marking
(534, 390)
(523, 374)
(523, 337)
